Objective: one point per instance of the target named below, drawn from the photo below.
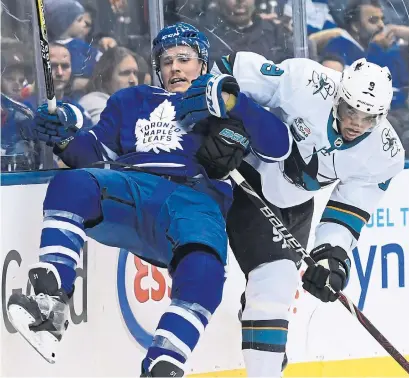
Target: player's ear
(204, 69)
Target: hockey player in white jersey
(340, 134)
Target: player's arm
(270, 137)
(260, 79)
(75, 146)
(348, 210)
(264, 84)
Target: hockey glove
(333, 268)
(58, 128)
(204, 98)
(224, 148)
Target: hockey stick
(45, 55)
(297, 247)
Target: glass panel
(18, 149)
(87, 69)
(377, 30)
(232, 25)
(96, 48)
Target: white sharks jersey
(302, 91)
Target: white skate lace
(45, 303)
(52, 304)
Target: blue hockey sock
(197, 290)
(72, 198)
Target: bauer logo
(143, 294)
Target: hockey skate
(41, 318)
(162, 368)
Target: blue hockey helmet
(180, 34)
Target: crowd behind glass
(100, 46)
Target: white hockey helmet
(366, 87)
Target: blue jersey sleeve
(102, 142)
(106, 131)
(270, 137)
(81, 152)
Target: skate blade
(43, 342)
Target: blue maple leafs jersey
(138, 127)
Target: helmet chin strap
(159, 75)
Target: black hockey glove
(224, 148)
(333, 268)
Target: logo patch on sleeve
(299, 130)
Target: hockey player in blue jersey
(171, 214)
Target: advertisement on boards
(120, 298)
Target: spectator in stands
(60, 59)
(318, 15)
(101, 40)
(236, 26)
(333, 61)
(16, 68)
(118, 68)
(18, 149)
(66, 25)
(367, 37)
(182, 10)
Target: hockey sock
(197, 290)
(269, 294)
(72, 197)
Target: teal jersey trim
(349, 220)
(384, 185)
(265, 336)
(335, 139)
(227, 65)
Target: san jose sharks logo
(390, 143)
(322, 84)
(161, 132)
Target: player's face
(179, 66)
(61, 66)
(353, 123)
(125, 74)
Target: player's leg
(197, 232)
(272, 277)
(72, 197)
(72, 204)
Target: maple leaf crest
(160, 132)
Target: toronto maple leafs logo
(161, 132)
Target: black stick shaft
(45, 55)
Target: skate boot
(161, 368)
(41, 318)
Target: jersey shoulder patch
(387, 155)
